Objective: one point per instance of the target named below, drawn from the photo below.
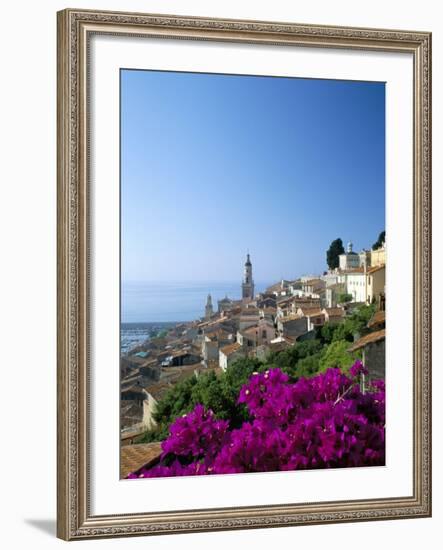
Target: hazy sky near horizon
(215, 165)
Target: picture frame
(76, 211)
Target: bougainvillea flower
(320, 422)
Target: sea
(146, 304)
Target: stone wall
(374, 359)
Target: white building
(209, 349)
(332, 294)
(375, 283)
(349, 260)
(228, 354)
(330, 278)
(378, 256)
(356, 285)
(365, 258)
(365, 285)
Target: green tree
(344, 297)
(326, 332)
(334, 252)
(364, 313)
(349, 328)
(208, 392)
(309, 365)
(381, 239)
(337, 355)
(219, 393)
(232, 380)
(289, 359)
(177, 401)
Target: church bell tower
(209, 311)
(247, 286)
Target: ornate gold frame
(74, 29)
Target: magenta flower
(320, 422)
(196, 434)
(357, 369)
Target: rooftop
(334, 311)
(378, 318)
(230, 349)
(250, 330)
(375, 268)
(135, 389)
(174, 375)
(279, 346)
(293, 317)
(310, 311)
(274, 288)
(219, 333)
(133, 457)
(370, 338)
(250, 310)
(314, 282)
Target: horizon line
(231, 281)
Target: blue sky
(214, 165)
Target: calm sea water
(151, 302)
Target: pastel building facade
(349, 260)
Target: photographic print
(228, 195)
(253, 257)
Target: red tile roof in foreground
(370, 338)
(133, 457)
(378, 318)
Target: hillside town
(286, 313)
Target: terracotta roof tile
(289, 318)
(230, 349)
(375, 268)
(310, 311)
(378, 318)
(133, 457)
(370, 338)
(311, 282)
(251, 330)
(279, 346)
(334, 311)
